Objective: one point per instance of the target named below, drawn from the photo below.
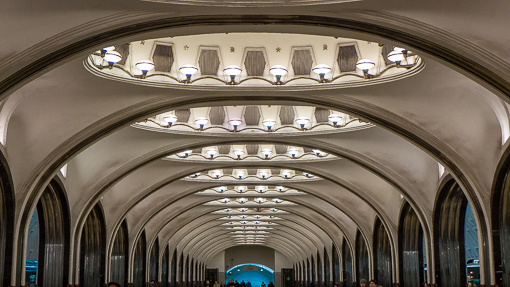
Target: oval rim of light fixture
(191, 68)
(395, 56)
(278, 68)
(365, 64)
(231, 68)
(235, 122)
(204, 120)
(116, 56)
(149, 64)
(173, 117)
(321, 68)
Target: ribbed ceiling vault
(431, 119)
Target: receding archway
(6, 222)
(154, 262)
(347, 269)
(256, 273)
(119, 258)
(139, 261)
(92, 249)
(382, 255)
(165, 266)
(411, 253)
(362, 261)
(336, 265)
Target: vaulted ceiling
(411, 129)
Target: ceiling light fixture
(232, 71)
(278, 71)
(105, 50)
(218, 173)
(266, 152)
(235, 123)
(241, 188)
(397, 57)
(261, 189)
(240, 174)
(293, 152)
(302, 121)
(188, 70)
(171, 119)
(365, 65)
(112, 57)
(402, 50)
(201, 122)
(335, 119)
(259, 200)
(145, 66)
(322, 70)
(318, 153)
(280, 188)
(264, 174)
(269, 123)
(222, 188)
(286, 174)
(211, 152)
(238, 153)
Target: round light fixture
(112, 57)
(218, 173)
(335, 119)
(286, 173)
(212, 152)
(278, 71)
(235, 123)
(269, 124)
(188, 70)
(261, 189)
(232, 71)
(240, 174)
(170, 119)
(280, 188)
(321, 70)
(238, 153)
(241, 188)
(266, 152)
(222, 188)
(264, 174)
(302, 121)
(293, 152)
(365, 65)
(201, 121)
(396, 57)
(145, 66)
(105, 50)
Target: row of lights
(263, 174)
(243, 200)
(335, 119)
(396, 56)
(267, 152)
(242, 188)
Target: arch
(154, 262)
(410, 234)
(165, 267)
(139, 261)
(362, 260)
(335, 264)
(6, 221)
(382, 255)
(327, 269)
(320, 272)
(181, 270)
(173, 269)
(186, 272)
(347, 269)
(314, 271)
(308, 272)
(92, 249)
(119, 259)
(449, 217)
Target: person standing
(362, 283)
(248, 284)
(372, 283)
(216, 284)
(242, 283)
(270, 284)
(262, 284)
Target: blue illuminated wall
(255, 273)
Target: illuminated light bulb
(263, 174)
(335, 119)
(232, 71)
(365, 65)
(188, 70)
(222, 188)
(307, 174)
(277, 200)
(171, 119)
(112, 57)
(211, 152)
(286, 174)
(224, 200)
(278, 71)
(105, 50)
(269, 124)
(238, 153)
(145, 66)
(218, 173)
(261, 189)
(235, 123)
(402, 50)
(267, 152)
(242, 200)
(241, 188)
(293, 152)
(302, 121)
(240, 174)
(280, 188)
(321, 70)
(396, 57)
(259, 200)
(201, 122)
(317, 152)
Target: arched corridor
(299, 143)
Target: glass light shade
(286, 173)
(243, 209)
(145, 65)
(273, 209)
(267, 152)
(277, 200)
(280, 188)
(302, 120)
(240, 173)
(108, 49)
(399, 49)
(222, 188)
(278, 70)
(334, 118)
(242, 200)
(232, 70)
(227, 210)
(188, 70)
(263, 173)
(202, 121)
(261, 188)
(259, 200)
(238, 152)
(188, 152)
(396, 56)
(235, 122)
(170, 119)
(241, 188)
(211, 152)
(321, 69)
(269, 123)
(365, 64)
(224, 200)
(218, 173)
(307, 174)
(112, 57)
(293, 151)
